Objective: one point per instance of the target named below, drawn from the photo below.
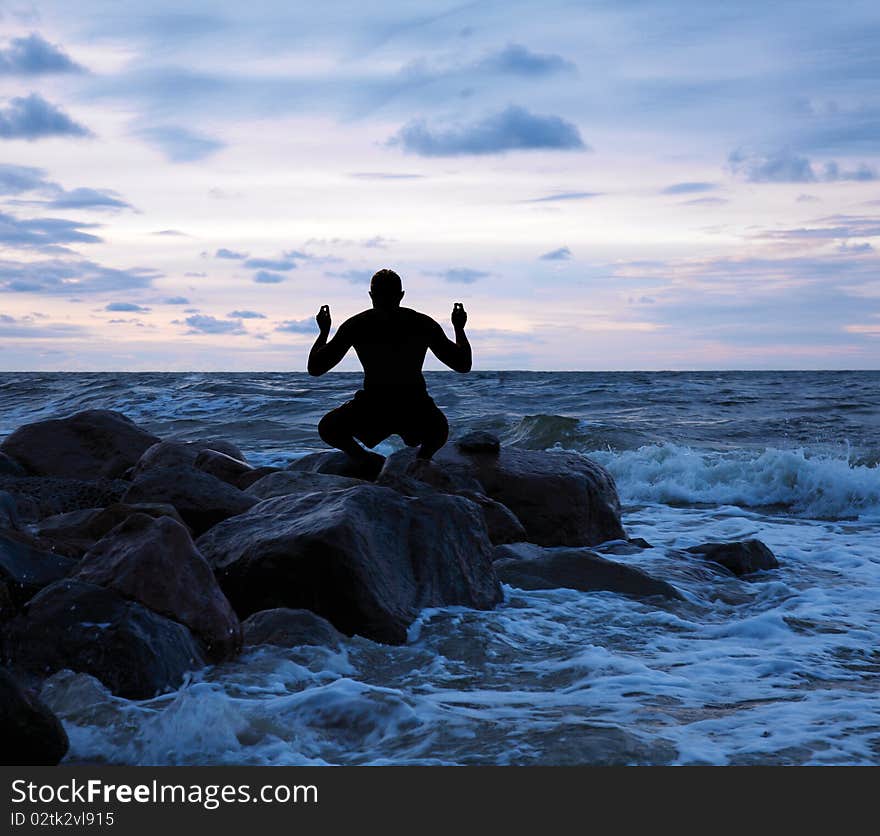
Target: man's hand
(459, 316)
(323, 320)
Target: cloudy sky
(632, 184)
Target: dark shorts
(371, 418)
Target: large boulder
(366, 558)
(175, 453)
(70, 624)
(423, 479)
(97, 442)
(562, 499)
(32, 735)
(287, 482)
(336, 464)
(10, 467)
(9, 517)
(153, 561)
(247, 479)
(39, 497)
(25, 567)
(527, 566)
(80, 530)
(201, 500)
(226, 468)
(290, 628)
(740, 557)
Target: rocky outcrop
(32, 735)
(37, 498)
(741, 557)
(80, 530)
(561, 499)
(226, 468)
(526, 566)
(87, 445)
(10, 467)
(335, 464)
(366, 558)
(176, 453)
(298, 482)
(25, 568)
(290, 628)
(9, 518)
(201, 500)
(135, 652)
(153, 561)
(247, 479)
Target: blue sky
(616, 185)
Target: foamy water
(782, 667)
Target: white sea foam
(820, 486)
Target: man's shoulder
(420, 319)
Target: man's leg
(435, 432)
(336, 428)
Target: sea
(782, 667)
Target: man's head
(385, 289)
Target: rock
(479, 441)
(501, 522)
(70, 624)
(290, 628)
(8, 512)
(526, 566)
(173, 453)
(25, 568)
(201, 500)
(39, 497)
(562, 499)
(87, 445)
(7, 606)
(247, 479)
(741, 558)
(287, 482)
(366, 558)
(10, 467)
(80, 530)
(153, 561)
(336, 464)
(226, 468)
(32, 735)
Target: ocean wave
(828, 487)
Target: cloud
(25, 328)
(269, 264)
(180, 145)
(353, 276)
(460, 275)
(516, 59)
(32, 55)
(512, 129)
(32, 117)
(126, 307)
(65, 278)
(245, 315)
(267, 277)
(384, 175)
(175, 300)
(298, 326)
(16, 179)
(705, 201)
(855, 249)
(44, 234)
(562, 196)
(203, 324)
(689, 188)
(841, 226)
(171, 233)
(85, 198)
(784, 166)
(562, 254)
(232, 254)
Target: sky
(637, 184)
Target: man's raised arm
(456, 355)
(325, 355)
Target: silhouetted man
(391, 343)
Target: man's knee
(333, 425)
(436, 429)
